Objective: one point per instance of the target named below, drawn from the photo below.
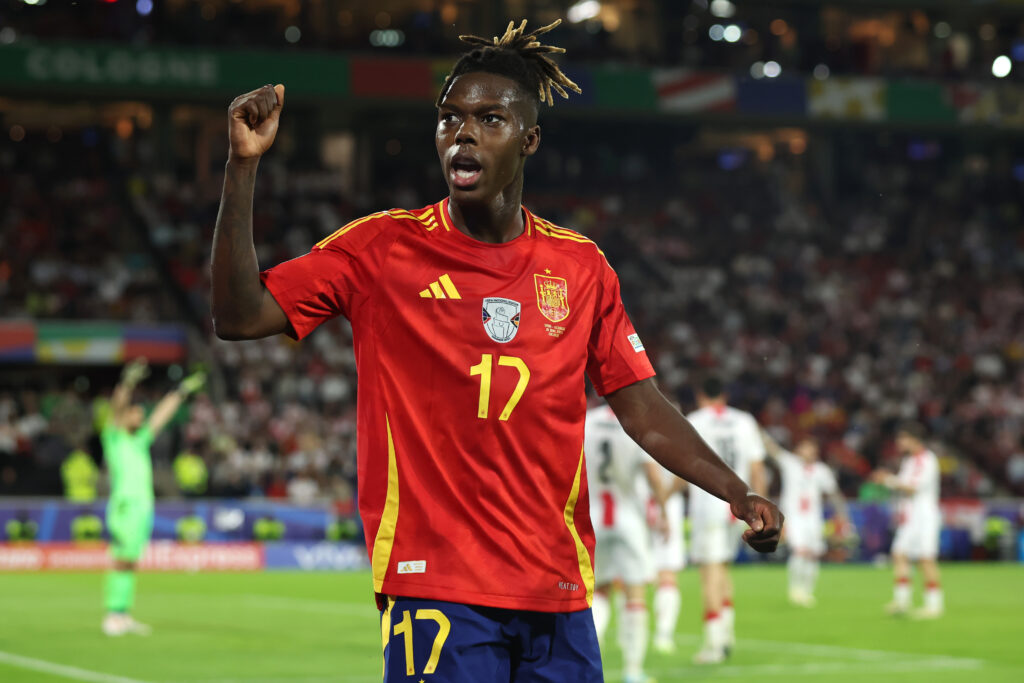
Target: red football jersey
(471, 360)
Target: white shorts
(918, 540)
(805, 534)
(623, 557)
(670, 550)
(715, 542)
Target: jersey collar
(441, 211)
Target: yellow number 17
(484, 369)
(404, 629)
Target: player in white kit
(805, 482)
(622, 477)
(669, 550)
(715, 533)
(919, 521)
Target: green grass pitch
(311, 628)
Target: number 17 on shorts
(413, 639)
(433, 640)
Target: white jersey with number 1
(618, 500)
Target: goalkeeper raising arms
(126, 437)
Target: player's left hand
(765, 521)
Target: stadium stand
(834, 315)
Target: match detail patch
(634, 339)
(500, 318)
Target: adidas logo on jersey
(441, 288)
(412, 567)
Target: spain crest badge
(552, 297)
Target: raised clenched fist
(252, 122)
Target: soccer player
(919, 521)
(736, 437)
(805, 481)
(126, 437)
(472, 487)
(669, 550)
(619, 514)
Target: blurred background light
(723, 8)
(583, 10)
(1001, 66)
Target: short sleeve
(616, 356)
(310, 289)
(330, 280)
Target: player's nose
(466, 134)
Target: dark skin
(486, 120)
(487, 127)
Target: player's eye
(492, 118)
(448, 117)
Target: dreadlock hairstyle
(519, 56)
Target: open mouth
(465, 172)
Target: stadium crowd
(834, 314)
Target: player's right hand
(252, 122)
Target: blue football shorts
(432, 640)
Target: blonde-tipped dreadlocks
(519, 56)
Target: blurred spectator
(835, 308)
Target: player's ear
(531, 141)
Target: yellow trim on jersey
(546, 228)
(445, 218)
(551, 227)
(554, 231)
(586, 568)
(385, 538)
(428, 218)
(428, 222)
(449, 287)
(345, 228)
